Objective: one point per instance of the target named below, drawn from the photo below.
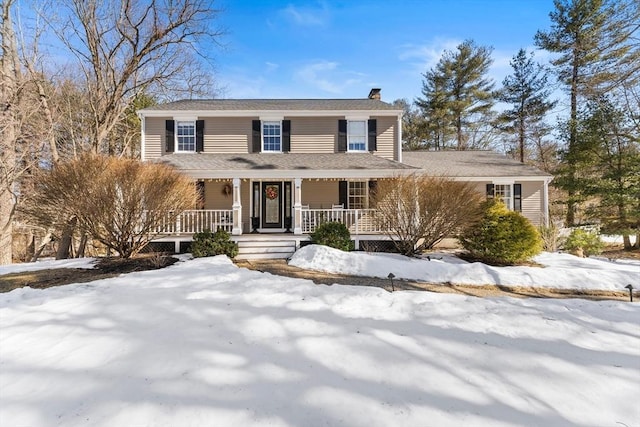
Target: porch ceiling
(266, 165)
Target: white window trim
(510, 185)
(366, 136)
(262, 123)
(175, 136)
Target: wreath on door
(271, 192)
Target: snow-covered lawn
(205, 343)
(560, 271)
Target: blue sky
(341, 49)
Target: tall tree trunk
(573, 138)
(9, 67)
(66, 240)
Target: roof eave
(258, 113)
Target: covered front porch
(297, 206)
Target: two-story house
(275, 168)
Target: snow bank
(47, 264)
(560, 271)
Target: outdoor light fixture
(630, 292)
(391, 276)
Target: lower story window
(358, 195)
(503, 191)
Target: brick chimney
(374, 93)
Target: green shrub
(333, 234)
(210, 244)
(501, 236)
(590, 243)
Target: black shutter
(490, 191)
(373, 187)
(257, 137)
(517, 197)
(169, 136)
(199, 136)
(373, 135)
(286, 135)
(342, 136)
(343, 193)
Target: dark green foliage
(455, 93)
(502, 236)
(210, 244)
(590, 243)
(527, 92)
(333, 234)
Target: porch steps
(266, 249)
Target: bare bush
(419, 211)
(119, 202)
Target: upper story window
(357, 135)
(272, 136)
(186, 136)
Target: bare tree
(119, 202)
(124, 48)
(419, 211)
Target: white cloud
(326, 76)
(307, 16)
(422, 57)
(270, 66)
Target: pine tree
(528, 93)
(610, 167)
(456, 90)
(594, 40)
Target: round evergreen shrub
(502, 236)
(588, 242)
(333, 234)
(210, 244)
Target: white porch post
(297, 206)
(237, 208)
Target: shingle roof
(273, 105)
(284, 161)
(469, 164)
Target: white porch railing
(196, 221)
(358, 221)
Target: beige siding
(386, 127)
(154, 137)
(314, 134)
(227, 135)
(532, 201)
(319, 194)
(214, 197)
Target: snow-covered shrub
(502, 236)
(210, 244)
(582, 240)
(333, 234)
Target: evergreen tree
(594, 40)
(610, 167)
(456, 90)
(528, 93)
